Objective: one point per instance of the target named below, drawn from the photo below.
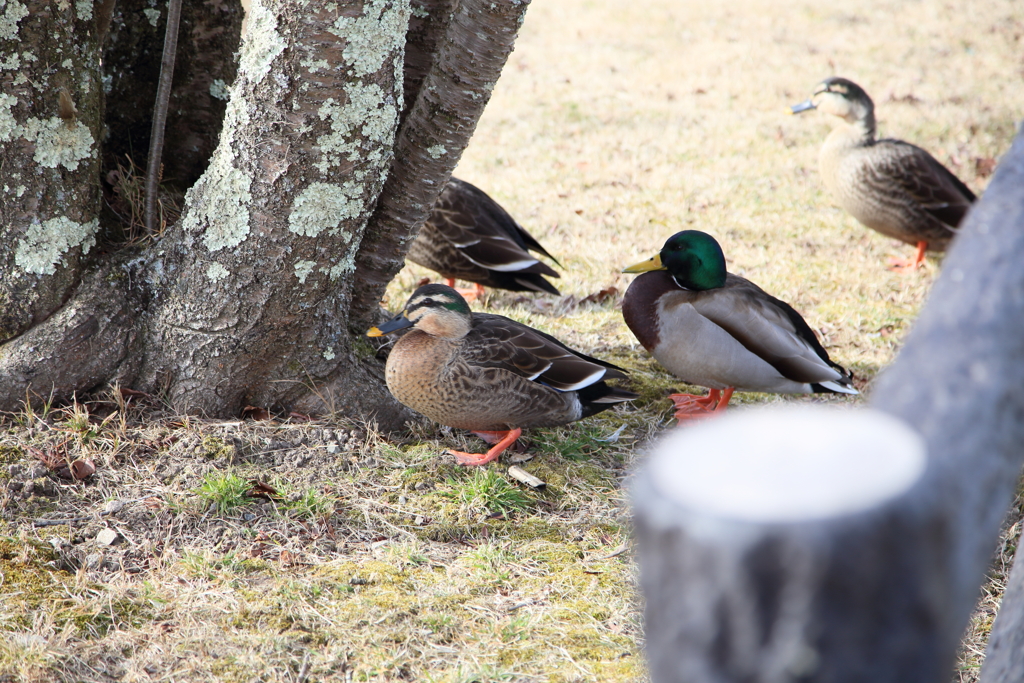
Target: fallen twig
(519, 474)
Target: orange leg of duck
(690, 407)
(899, 265)
(467, 294)
(501, 441)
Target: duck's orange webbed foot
(690, 407)
(898, 265)
(501, 441)
(468, 294)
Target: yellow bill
(645, 266)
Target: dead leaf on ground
(255, 413)
(570, 303)
(129, 394)
(908, 98)
(80, 469)
(261, 489)
(601, 296)
(517, 458)
(984, 166)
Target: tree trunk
(50, 108)
(427, 23)
(795, 554)
(1004, 658)
(466, 65)
(246, 301)
(256, 278)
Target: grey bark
(433, 137)
(50, 104)
(427, 25)
(256, 278)
(849, 594)
(1004, 658)
(884, 595)
(960, 382)
(98, 337)
(247, 299)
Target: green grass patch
(485, 488)
(224, 491)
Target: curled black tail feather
(599, 396)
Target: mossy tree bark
(247, 300)
(467, 61)
(50, 103)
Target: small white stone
(106, 537)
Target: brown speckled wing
(432, 250)
(484, 232)
(768, 327)
(468, 236)
(927, 182)
(496, 341)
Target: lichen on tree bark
(248, 298)
(49, 115)
(298, 169)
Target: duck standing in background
(489, 374)
(468, 236)
(890, 186)
(718, 330)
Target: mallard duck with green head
(489, 374)
(468, 236)
(718, 330)
(891, 186)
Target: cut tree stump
(777, 545)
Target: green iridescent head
(693, 258)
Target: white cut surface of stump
(788, 464)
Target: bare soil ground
(286, 550)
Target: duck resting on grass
(468, 236)
(890, 186)
(718, 330)
(489, 374)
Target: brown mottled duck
(890, 186)
(489, 374)
(468, 236)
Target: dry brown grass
(611, 129)
(375, 559)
